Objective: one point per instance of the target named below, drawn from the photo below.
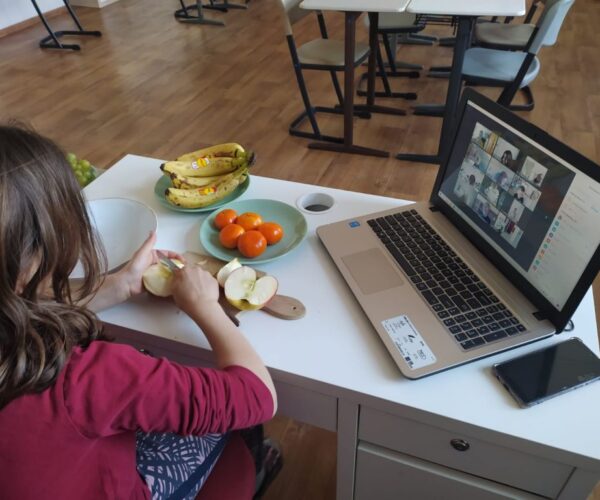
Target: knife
(164, 259)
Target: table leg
(347, 444)
(463, 38)
(373, 46)
(349, 47)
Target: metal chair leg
(225, 6)
(52, 40)
(338, 89)
(393, 64)
(387, 90)
(182, 15)
(414, 39)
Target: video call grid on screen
(505, 185)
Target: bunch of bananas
(206, 176)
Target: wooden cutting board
(280, 306)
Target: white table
(352, 10)
(331, 370)
(467, 12)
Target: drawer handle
(460, 444)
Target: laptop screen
(537, 211)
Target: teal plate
(164, 182)
(291, 220)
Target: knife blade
(164, 259)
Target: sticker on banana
(204, 196)
(229, 149)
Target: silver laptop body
(425, 327)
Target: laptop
(499, 257)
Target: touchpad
(372, 271)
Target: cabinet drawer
(492, 461)
(386, 475)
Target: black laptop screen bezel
(547, 310)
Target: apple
(226, 270)
(245, 292)
(157, 279)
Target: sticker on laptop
(409, 342)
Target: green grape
(83, 169)
(72, 159)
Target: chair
(390, 26)
(515, 70)
(322, 54)
(507, 36)
(52, 40)
(183, 15)
(405, 26)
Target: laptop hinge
(540, 316)
(433, 208)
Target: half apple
(158, 277)
(244, 291)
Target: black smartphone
(548, 372)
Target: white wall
(15, 11)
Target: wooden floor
(152, 86)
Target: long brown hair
(44, 230)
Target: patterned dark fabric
(175, 467)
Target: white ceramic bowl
(122, 225)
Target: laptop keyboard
(467, 308)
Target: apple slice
(247, 293)
(226, 270)
(157, 279)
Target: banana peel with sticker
(183, 182)
(228, 149)
(208, 167)
(205, 196)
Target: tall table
(352, 9)
(397, 438)
(467, 11)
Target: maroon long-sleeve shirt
(76, 439)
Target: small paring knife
(164, 259)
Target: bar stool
(320, 54)
(183, 15)
(390, 26)
(52, 40)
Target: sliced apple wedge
(226, 270)
(157, 279)
(247, 293)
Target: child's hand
(195, 290)
(130, 276)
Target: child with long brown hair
(79, 414)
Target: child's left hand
(131, 275)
